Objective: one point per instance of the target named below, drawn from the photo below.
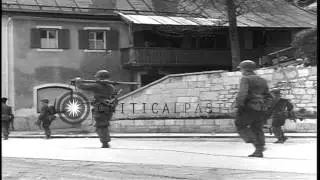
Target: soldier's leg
(257, 128)
(12, 125)
(47, 131)
(277, 133)
(243, 127)
(5, 130)
(104, 136)
(283, 137)
(277, 123)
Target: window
(49, 38)
(218, 42)
(97, 40)
(278, 38)
(248, 40)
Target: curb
(145, 137)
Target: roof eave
(84, 15)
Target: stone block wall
(200, 102)
(197, 103)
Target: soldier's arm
(269, 100)
(243, 93)
(289, 105)
(87, 86)
(291, 114)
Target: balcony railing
(146, 56)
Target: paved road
(156, 159)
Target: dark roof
(258, 13)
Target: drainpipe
(9, 46)
(8, 56)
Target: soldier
(45, 117)
(6, 117)
(102, 110)
(281, 110)
(252, 102)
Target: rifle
(73, 81)
(113, 102)
(302, 114)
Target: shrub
(305, 45)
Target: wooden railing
(173, 56)
(283, 52)
(277, 57)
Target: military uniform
(252, 102)
(45, 118)
(280, 112)
(102, 110)
(6, 118)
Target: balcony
(169, 57)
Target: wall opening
(50, 91)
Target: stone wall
(200, 102)
(196, 102)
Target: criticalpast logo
(75, 107)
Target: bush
(305, 45)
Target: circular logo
(74, 107)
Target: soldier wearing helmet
(102, 112)
(252, 102)
(44, 118)
(6, 117)
(281, 110)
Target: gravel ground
(47, 169)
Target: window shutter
(83, 39)
(112, 39)
(35, 38)
(64, 39)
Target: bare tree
(233, 33)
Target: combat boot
(105, 145)
(258, 152)
(280, 141)
(284, 139)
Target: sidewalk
(76, 133)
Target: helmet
(247, 65)
(102, 74)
